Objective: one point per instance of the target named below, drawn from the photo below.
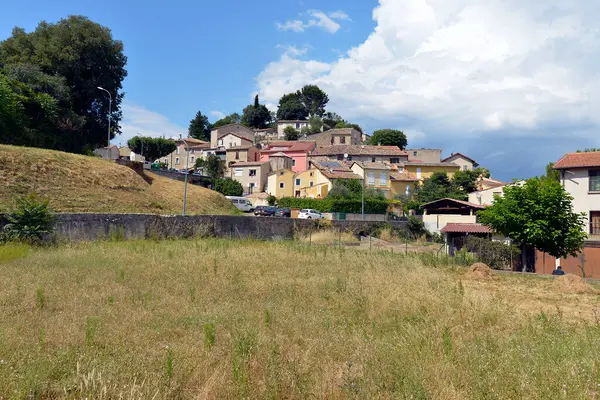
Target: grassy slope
(233, 319)
(76, 183)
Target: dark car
(283, 212)
(264, 211)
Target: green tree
(389, 137)
(344, 124)
(200, 127)
(291, 133)
(466, 180)
(291, 108)
(331, 119)
(538, 214)
(83, 54)
(551, 173)
(256, 115)
(315, 124)
(438, 186)
(212, 165)
(233, 118)
(151, 148)
(229, 187)
(314, 99)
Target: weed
(116, 234)
(446, 341)
(169, 365)
(192, 292)
(245, 343)
(40, 298)
(111, 300)
(267, 318)
(210, 334)
(91, 327)
(120, 275)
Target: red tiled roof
(237, 135)
(372, 165)
(335, 170)
(248, 164)
(277, 147)
(461, 155)
(578, 160)
(465, 228)
(402, 176)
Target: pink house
(297, 150)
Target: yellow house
(317, 181)
(376, 176)
(403, 182)
(422, 170)
(281, 183)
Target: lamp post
(109, 112)
(363, 195)
(187, 171)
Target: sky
(513, 84)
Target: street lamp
(109, 112)
(187, 171)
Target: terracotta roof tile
(276, 147)
(358, 150)
(465, 228)
(579, 160)
(335, 170)
(429, 164)
(402, 176)
(248, 164)
(461, 155)
(372, 165)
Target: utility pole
(363, 195)
(109, 113)
(187, 171)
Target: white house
(296, 124)
(580, 176)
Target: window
(418, 173)
(594, 181)
(297, 193)
(371, 178)
(192, 159)
(252, 172)
(349, 158)
(176, 160)
(238, 172)
(293, 162)
(237, 155)
(192, 151)
(252, 185)
(594, 222)
(312, 184)
(414, 153)
(311, 174)
(407, 190)
(220, 142)
(372, 159)
(297, 182)
(382, 179)
(343, 139)
(394, 160)
(281, 185)
(297, 125)
(177, 150)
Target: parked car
(241, 203)
(309, 213)
(283, 212)
(265, 211)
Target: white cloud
(317, 18)
(293, 51)
(137, 120)
(217, 114)
(460, 65)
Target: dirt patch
(572, 284)
(481, 271)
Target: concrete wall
(90, 227)
(435, 222)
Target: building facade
(252, 175)
(298, 151)
(363, 153)
(296, 124)
(465, 163)
(189, 149)
(237, 129)
(425, 155)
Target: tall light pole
(109, 113)
(187, 171)
(363, 195)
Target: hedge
(351, 206)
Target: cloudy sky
(513, 84)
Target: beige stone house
(251, 174)
(425, 155)
(186, 147)
(386, 154)
(244, 153)
(342, 136)
(465, 163)
(236, 129)
(296, 124)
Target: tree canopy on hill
(151, 148)
(389, 137)
(200, 127)
(256, 115)
(48, 83)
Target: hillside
(77, 183)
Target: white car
(241, 203)
(308, 213)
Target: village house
(297, 124)
(340, 136)
(423, 170)
(251, 174)
(386, 154)
(376, 176)
(187, 148)
(280, 181)
(112, 153)
(425, 155)
(465, 163)
(125, 153)
(243, 153)
(298, 151)
(437, 214)
(580, 176)
(236, 129)
(317, 181)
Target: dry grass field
(76, 183)
(220, 319)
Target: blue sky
(511, 83)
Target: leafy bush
(29, 221)
(271, 200)
(229, 187)
(415, 226)
(353, 206)
(495, 254)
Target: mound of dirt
(572, 284)
(481, 271)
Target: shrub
(271, 200)
(415, 226)
(29, 221)
(229, 187)
(354, 206)
(495, 254)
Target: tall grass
(241, 319)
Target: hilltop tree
(345, 124)
(291, 133)
(151, 148)
(200, 127)
(212, 165)
(552, 174)
(314, 99)
(438, 186)
(233, 118)
(331, 119)
(73, 57)
(389, 137)
(291, 108)
(256, 115)
(538, 214)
